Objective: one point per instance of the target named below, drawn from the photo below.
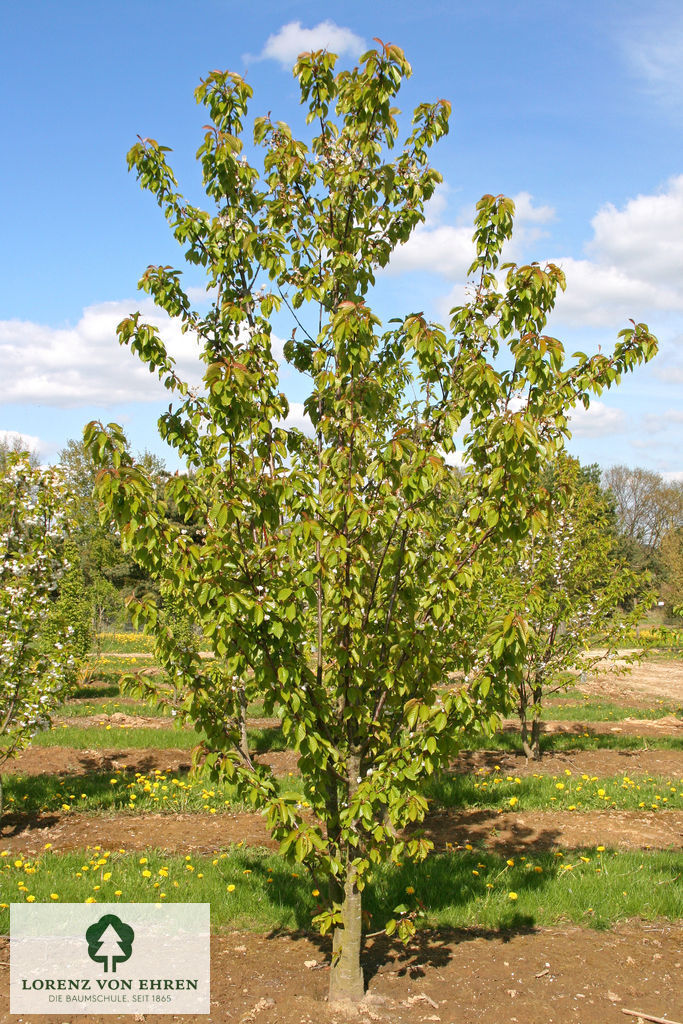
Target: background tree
(647, 509)
(574, 591)
(35, 635)
(110, 575)
(15, 446)
(671, 558)
(322, 572)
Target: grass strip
(591, 709)
(104, 705)
(566, 792)
(561, 742)
(256, 890)
(167, 792)
(123, 737)
(179, 792)
(123, 642)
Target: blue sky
(575, 109)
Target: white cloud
(84, 364)
(604, 295)
(448, 249)
(671, 476)
(200, 294)
(635, 264)
(292, 39)
(645, 238)
(298, 418)
(28, 442)
(442, 250)
(597, 420)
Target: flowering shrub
(36, 649)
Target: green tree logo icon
(110, 941)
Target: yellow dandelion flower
(512, 895)
(231, 888)
(410, 890)
(146, 873)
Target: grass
(104, 705)
(566, 792)
(256, 890)
(125, 737)
(561, 742)
(595, 709)
(117, 737)
(174, 792)
(124, 643)
(170, 792)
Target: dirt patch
(535, 976)
(546, 830)
(118, 719)
(662, 680)
(666, 726)
(67, 761)
(500, 832)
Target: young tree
(573, 591)
(37, 658)
(319, 569)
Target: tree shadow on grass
(445, 884)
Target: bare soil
(564, 975)
(667, 726)
(658, 678)
(68, 761)
(501, 832)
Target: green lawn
(259, 891)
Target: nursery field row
(178, 791)
(258, 890)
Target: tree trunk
(346, 973)
(524, 722)
(1, 804)
(244, 739)
(536, 724)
